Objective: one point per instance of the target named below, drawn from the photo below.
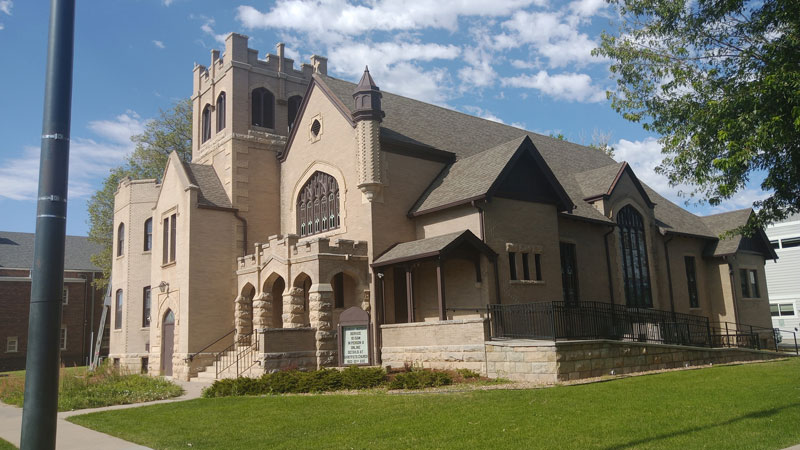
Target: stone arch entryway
(295, 303)
(167, 342)
(347, 292)
(268, 306)
(244, 311)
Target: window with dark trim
(748, 280)
(62, 340)
(165, 241)
(206, 123)
(12, 344)
(173, 231)
(263, 108)
(633, 252)
(569, 273)
(65, 296)
(118, 311)
(512, 265)
(691, 281)
(146, 307)
(537, 261)
(318, 205)
(148, 235)
(169, 236)
(120, 239)
(338, 290)
(294, 108)
(220, 111)
(753, 279)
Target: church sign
(355, 339)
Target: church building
(309, 199)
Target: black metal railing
(239, 356)
(559, 320)
(194, 355)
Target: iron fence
(560, 320)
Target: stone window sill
(526, 282)
(169, 264)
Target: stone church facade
(308, 195)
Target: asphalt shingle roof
(211, 191)
(16, 251)
(422, 124)
(720, 223)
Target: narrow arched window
(263, 108)
(318, 205)
(118, 310)
(206, 123)
(294, 108)
(633, 252)
(220, 110)
(148, 235)
(121, 239)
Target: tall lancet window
(221, 112)
(633, 251)
(318, 205)
(263, 108)
(206, 123)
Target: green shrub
(467, 374)
(295, 381)
(363, 377)
(420, 379)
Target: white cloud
(167, 2)
(587, 8)
(479, 71)
(2, 27)
(90, 159)
(159, 44)
(565, 86)
(742, 199)
(480, 112)
(208, 28)
(324, 17)
(5, 6)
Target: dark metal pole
(44, 326)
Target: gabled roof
(211, 193)
(431, 247)
(16, 251)
(479, 175)
(601, 182)
(727, 221)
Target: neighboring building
(783, 277)
(82, 304)
(308, 195)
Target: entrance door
(167, 343)
(400, 296)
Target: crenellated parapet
(286, 248)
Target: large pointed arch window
(318, 205)
(633, 251)
(220, 112)
(206, 123)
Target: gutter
(244, 231)
(482, 220)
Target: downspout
(93, 335)
(244, 231)
(608, 265)
(669, 276)
(83, 332)
(734, 293)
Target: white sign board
(355, 345)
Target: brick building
(82, 304)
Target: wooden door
(167, 343)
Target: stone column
(243, 317)
(293, 308)
(262, 311)
(365, 305)
(320, 305)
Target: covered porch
(436, 279)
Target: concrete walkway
(74, 437)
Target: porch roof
(431, 247)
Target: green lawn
(748, 406)
(5, 445)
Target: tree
(720, 82)
(172, 131)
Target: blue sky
(522, 62)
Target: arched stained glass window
(221, 112)
(318, 205)
(633, 252)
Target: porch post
(262, 311)
(440, 283)
(320, 305)
(410, 294)
(293, 301)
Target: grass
(81, 389)
(5, 445)
(750, 406)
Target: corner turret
(368, 99)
